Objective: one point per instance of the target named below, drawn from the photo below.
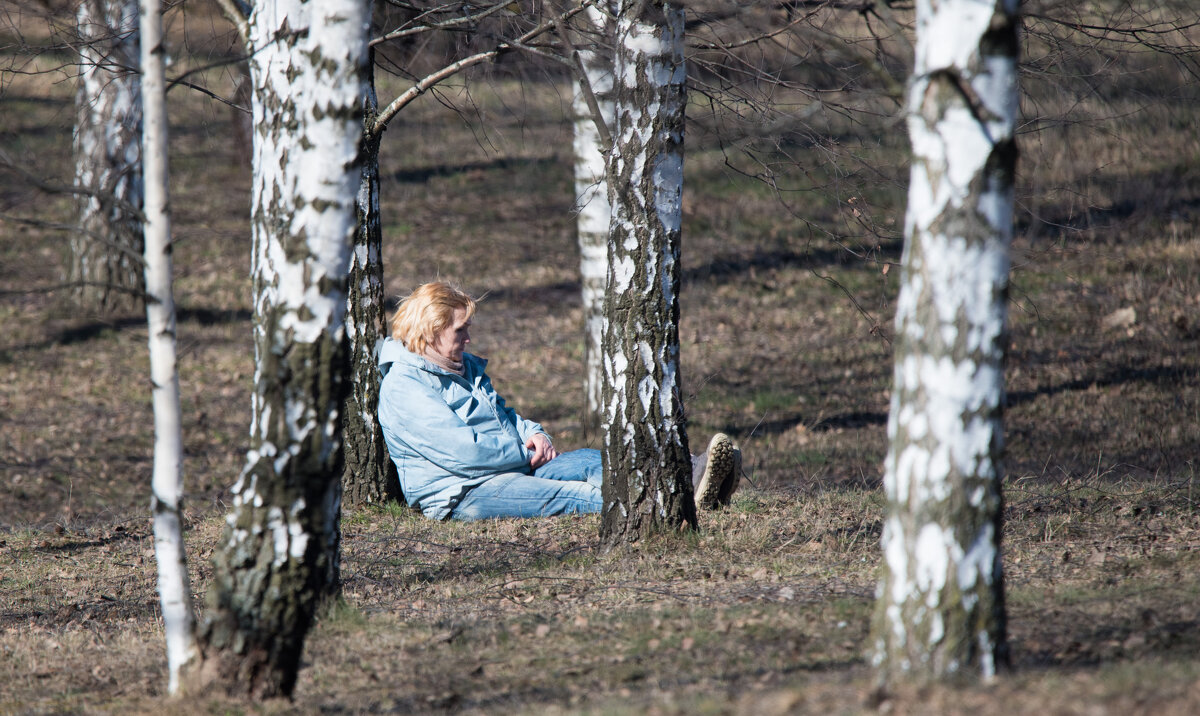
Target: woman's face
(453, 339)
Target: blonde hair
(428, 310)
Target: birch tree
(174, 587)
(647, 465)
(278, 555)
(370, 475)
(592, 109)
(105, 263)
(940, 599)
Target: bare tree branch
(134, 256)
(585, 86)
(466, 19)
(46, 187)
(237, 12)
(181, 79)
(726, 47)
(454, 68)
(79, 284)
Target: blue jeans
(568, 484)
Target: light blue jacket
(446, 433)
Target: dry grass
(765, 609)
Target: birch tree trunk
(591, 200)
(647, 465)
(278, 556)
(105, 262)
(166, 504)
(370, 475)
(940, 600)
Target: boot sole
(718, 473)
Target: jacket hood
(393, 351)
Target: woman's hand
(543, 450)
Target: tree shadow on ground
(730, 266)
(202, 316)
(108, 601)
(1165, 194)
(549, 296)
(420, 175)
(1174, 375)
(426, 562)
(1125, 637)
(844, 421)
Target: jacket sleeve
(525, 428)
(420, 418)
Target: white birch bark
(647, 466)
(174, 587)
(105, 262)
(278, 557)
(591, 201)
(370, 475)
(940, 600)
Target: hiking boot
(730, 485)
(719, 473)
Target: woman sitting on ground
(462, 454)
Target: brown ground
(765, 610)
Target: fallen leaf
(1121, 318)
